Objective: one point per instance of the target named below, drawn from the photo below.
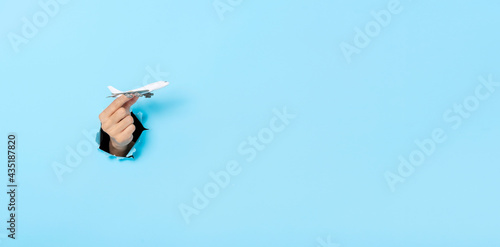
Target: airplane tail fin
(113, 90)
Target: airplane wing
(132, 92)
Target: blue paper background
(322, 177)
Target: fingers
(117, 122)
(129, 131)
(109, 122)
(123, 124)
(119, 114)
(125, 137)
(115, 105)
(129, 103)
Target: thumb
(129, 103)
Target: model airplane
(145, 91)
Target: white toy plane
(145, 91)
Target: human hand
(117, 122)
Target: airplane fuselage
(145, 91)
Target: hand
(117, 122)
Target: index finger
(117, 103)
